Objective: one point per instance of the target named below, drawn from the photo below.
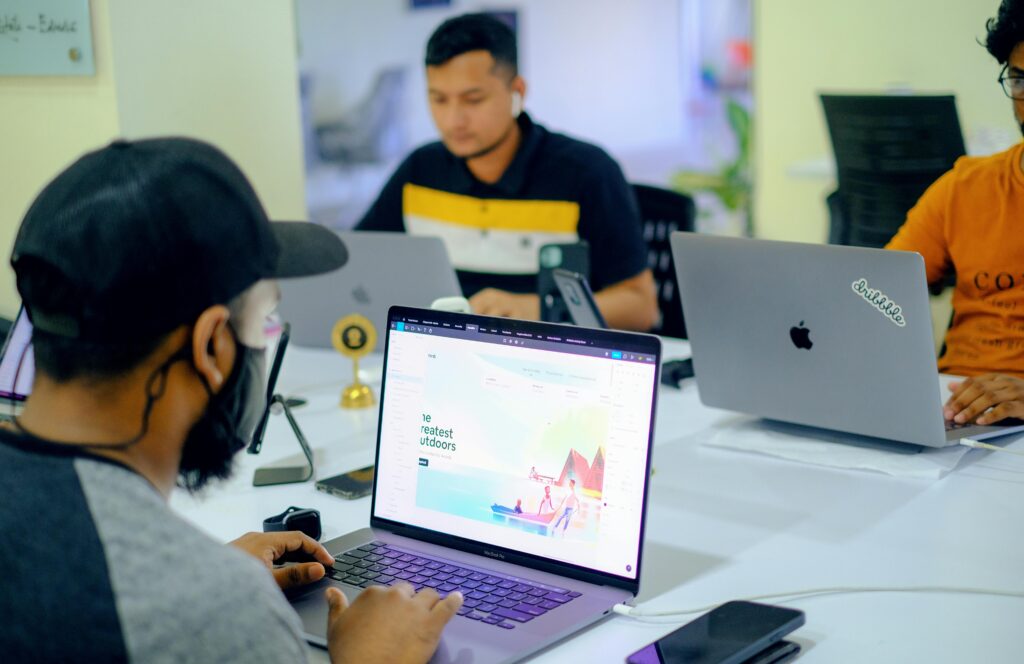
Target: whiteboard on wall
(45, 38)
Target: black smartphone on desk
(777, 653)
(578, 299)
(351, 485)
(734, 633)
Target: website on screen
(529, 445)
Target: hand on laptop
(494, 302)
(393, 624)
(268, 547)
(972, 399)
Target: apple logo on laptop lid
(801, 336)
(361, 295)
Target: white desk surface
(725, 525)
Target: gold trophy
(354, 337)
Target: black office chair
(888, 150)
(663, 212)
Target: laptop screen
(17, 364)
(527, 436)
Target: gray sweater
(96, 567)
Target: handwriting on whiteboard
(13, 26)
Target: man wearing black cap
(147, 270)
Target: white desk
(724, 525)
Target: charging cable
(639, 614)
(969, 442)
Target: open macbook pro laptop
(822, 335)
(17, 365)
(383, 269)
(512, 465)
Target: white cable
(635, 612)
(969, 442)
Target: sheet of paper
(835, 450)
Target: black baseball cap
(142, 236)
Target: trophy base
(357, 395)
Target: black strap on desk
(295, 518)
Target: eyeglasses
(1013, 86)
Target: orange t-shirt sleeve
(924, 231)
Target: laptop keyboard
(950, 425)
(490, 597)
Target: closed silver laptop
(383, 269)
(821, 335)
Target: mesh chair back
(663, 212)
(888, 150)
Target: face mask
(228, 423)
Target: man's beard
(228, 423)
(205, 460)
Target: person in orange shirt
(971, 221)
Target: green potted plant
(731, 185)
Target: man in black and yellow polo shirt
(497, 186)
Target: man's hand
(494, 302)
(268, 547)
(972, 399)
(393, 624)
(631, 304)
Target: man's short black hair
(473, 32)
(62, 358)
(1006, 30)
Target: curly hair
(1005, 30)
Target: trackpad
(311, 605)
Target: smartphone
(572, 256)
(777, 653)
(578, 298)
(275, 368)
(351, 485)
(731, 634)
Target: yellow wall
(808, 46)
(45, 122)
(225, 71)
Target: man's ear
(213, 346)
(518, 84)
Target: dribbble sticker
(880, 301)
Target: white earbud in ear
(517, 104)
